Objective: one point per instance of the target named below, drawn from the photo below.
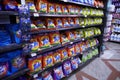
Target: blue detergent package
(4, 67)
(16, 61)
(4, 38)
(14, 32)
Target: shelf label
(33, 54)
(35, 76)
(71, 42)
(36, 14)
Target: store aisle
(107, 67)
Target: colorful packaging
(40, 24)
(59, 23)
(64, 53)
(58, 9)
(70, 35)
(67, 68)
(51, 8)
(48, 60)
(34, 44)
(71, 22)
(54, 38)
(47, 76)
(58, 73)
(35, 64)
(31, 6)
(77, 34)
(44, 41)
(4, 69)
(82, 46)
(50, 23)
(56, 57)
(33, 27)
(41, 6)
(16, 61)
(74, 64)
(63, 38)
(10, 5)
(76, 9)
(66, 22)
(77, 48)
(76, 20)
(71, 51)
(78, 60)
(71, 9)
(65, 10)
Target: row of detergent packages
(14, 61)
(58, 23)
(44, 41)
(45, 6)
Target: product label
(65, 54)
(71, 21)
(59, 22)
(51, 8)
(67, 68)
(45, 41)
(36, 65)
(57, 58)
(51, 24)
(71, 35)
(58, 9)
(43, 6)
(65, 10)
(56, 38)
(34, 45)
(18, 62)
(49, 61)
(66, 24)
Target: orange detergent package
(50, 23)
(71, 21)
(51, 8)
(77, 48)
(64, 53)
(65, 9)
(58, 23)
(58, 9)
(35, 64)
(41, 6)
(70, 35)
(66, 22)
(47, 59)
(63, 38)
(44, 41)
(54, 38)
(71, 9)
(56, 57)
(34, 44)
(71, 51)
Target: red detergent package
(64, 53)
(10, 5)
(56, 57)
(58, 73)
(77, 48)
(67, 68)
(47, 75)
(71, 51)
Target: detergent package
(16, 61)
(63, 38)
(74, 64)
(56, 57)
(31, 6)
(47, 59)
(65, 10)
(71, 21)
(35, 64)
(47, 75)
(41, 6)
(4, 67)
(59, 23)
(71, 51)
(50, 23)
(15, 32)
(58, 73)
(40, 24)
(67, 68)
(77, 34)
(70, 35)
(44, 41)
(54, 38)
(77, 48)
(64, 53)
(76, 20)
(10, 5)
(51, 8)
(58, 9)
(4, 38)
(66, 22)
(71, 9)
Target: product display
(51, 39)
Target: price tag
(35, 76)
(83, 26)
(71, 42)
(36, 15)
(33, 54)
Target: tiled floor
(107, 67)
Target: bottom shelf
(82, 65)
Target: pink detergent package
(58, 73)
(67, 68)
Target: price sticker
(71, 42)
(33, 54)
(36, 15)
(35, 76)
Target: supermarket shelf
(60, 63)
(82, 65)
(17, 74)
(10, 47)
(8, 13)
(82, 4)
(36, 14)
(62, 29)
(114, 41)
